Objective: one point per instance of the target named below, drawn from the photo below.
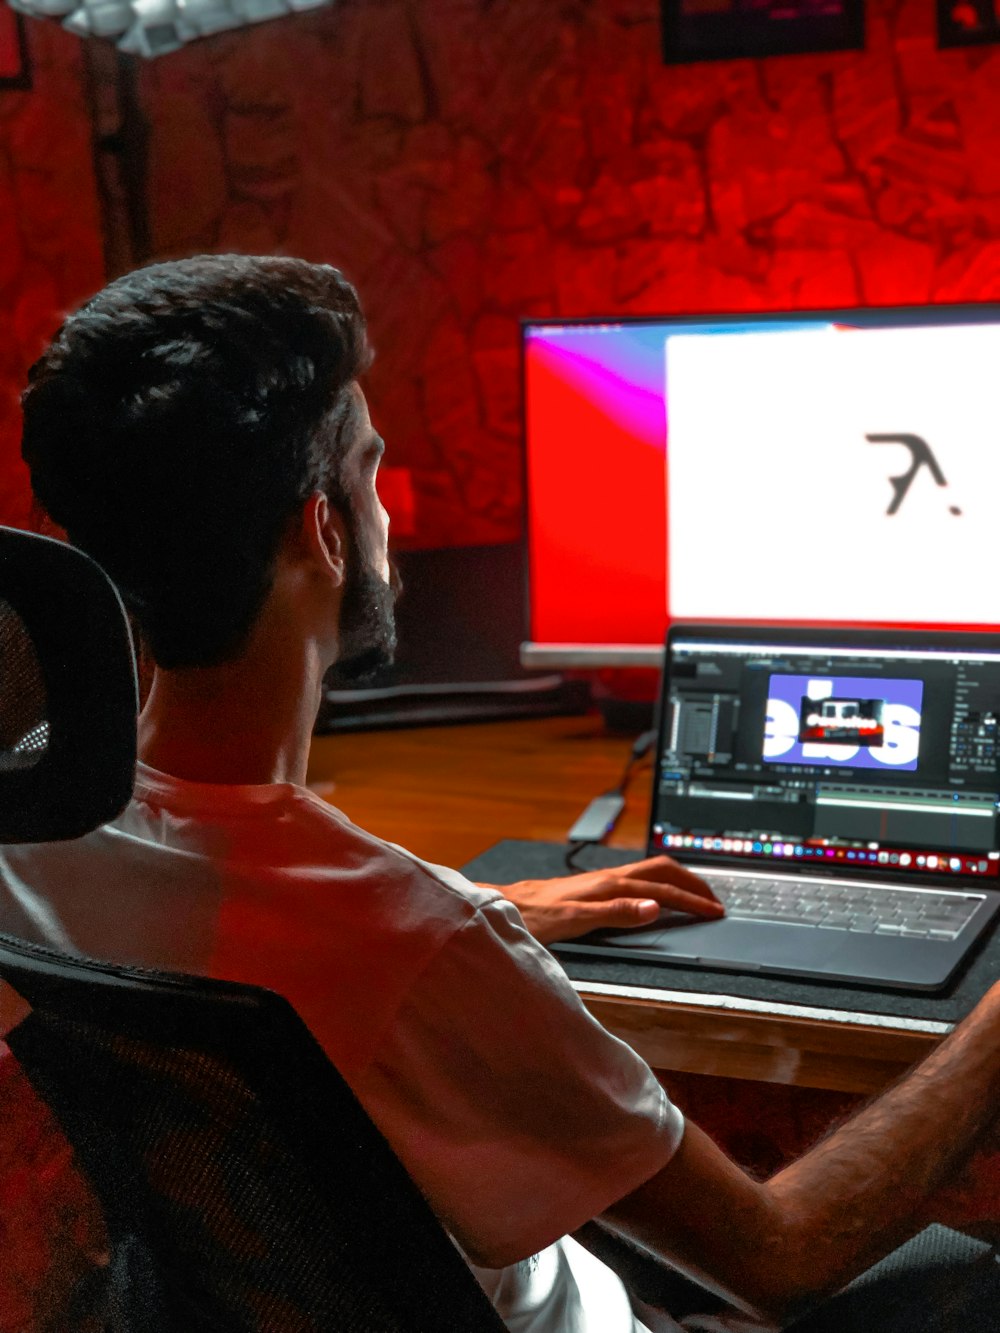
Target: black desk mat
(515, 859)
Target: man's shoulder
(286, 833)
(317, 883)
(330, 820)
(438, 888)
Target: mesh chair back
(24, 725)
(244, 1186)
(232, 1201)
(68, 696)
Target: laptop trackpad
(729, 943)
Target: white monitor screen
(845, 475)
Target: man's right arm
(778, 1247)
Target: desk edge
(737, 1003)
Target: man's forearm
(781, 1246)
(864, 1189)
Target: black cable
(640, 749)
(571, 852)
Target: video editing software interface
(879, 761)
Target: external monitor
(826, 468)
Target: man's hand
(630, 895)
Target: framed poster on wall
(733, 29)
(14, 71)
(967, 22)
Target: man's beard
(367, 618)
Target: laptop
(839, 790)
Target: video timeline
(906, 859)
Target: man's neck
(248, 721)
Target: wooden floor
(448, 793)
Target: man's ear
(325, 536)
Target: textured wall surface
(50, 246)
(472, 161)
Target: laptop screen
(846, 752)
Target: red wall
(469, 163)
(50, 246)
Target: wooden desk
(448, 793)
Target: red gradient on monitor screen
(769, 417)
(597, 511)
(11, 48)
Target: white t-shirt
(516, 1113)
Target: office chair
(244, 1187)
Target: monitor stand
(442, 705)
(460, 623)
(627, 717)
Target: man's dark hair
(179, 420)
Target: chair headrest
(68, 692)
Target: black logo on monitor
(922, 456)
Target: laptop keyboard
(925, 914)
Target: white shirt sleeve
(516, 1113)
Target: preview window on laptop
(849, 757)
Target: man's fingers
(670, 896)
(622, 913)
(678, 899)
(682, 891)
(666, 868)
(619, 913)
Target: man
(199, 429)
